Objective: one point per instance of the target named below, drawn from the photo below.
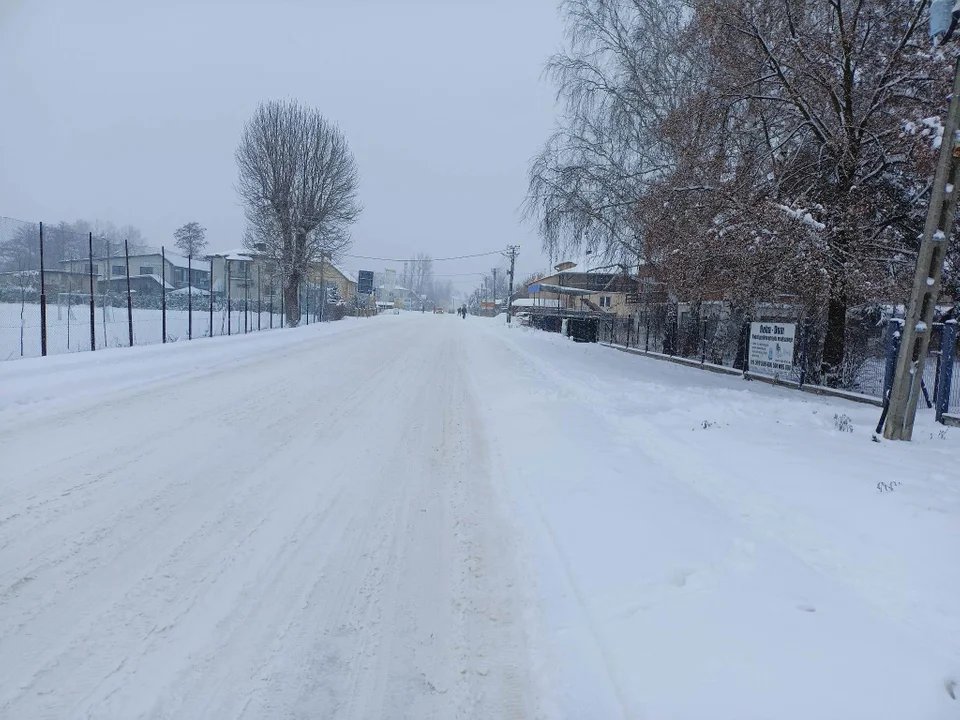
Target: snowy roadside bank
(62, 379)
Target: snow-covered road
(425, 517)
(307, 530)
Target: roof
(180, 261)
(533, 302)
(348, 275)
(236, 254)
(590, 281)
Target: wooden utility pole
(926, 280)
(512, 251)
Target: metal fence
(718, 336)
(62, 291)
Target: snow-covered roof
(235, 254)
(348, 275)
(180, 261)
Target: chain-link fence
(716, 334)
(63, 291)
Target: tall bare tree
(190, 239)
(298, 180)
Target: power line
(457, 257)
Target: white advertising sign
(771, 347)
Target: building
(243, 273)
(150, 271)
(330, 276)
(571, 292)
(253, 275)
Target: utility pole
(512, 251)
(494, 291)
(323, 292)
(926, 280)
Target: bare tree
(746, 149)
(190, 239)
(421, 274)
(298, 181)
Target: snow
(930, 282)
(68, 326)
(920, 327)
(709, 547)
(939, 236)
(934, 129)
(801, 215)
(423, 516)
(949, 188)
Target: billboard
(365, 282)
(771, 347)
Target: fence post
(283, 289)
(703, 337)
(126, 253)
(742, 361)
(936, 369)
(210, 291)
(163, 291)
(804, 347)
(246, 296)
(259, 301)
(646, 322)
(93, 310)
(948, 345)
(893, 346)
(271, 303)
(43, 301)
(190, 296)
(229, 309)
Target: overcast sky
(130, 111)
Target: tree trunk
(833, 344)
(291, 296)
(834, 341)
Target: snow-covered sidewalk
(705, 547)
(425, 516)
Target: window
(146, 270)
(605, 301)
(119, 270)
(93, 269)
